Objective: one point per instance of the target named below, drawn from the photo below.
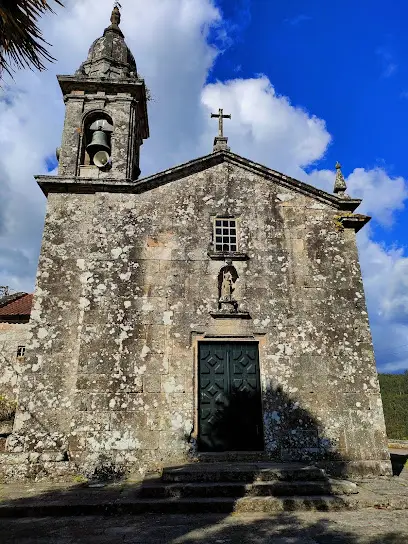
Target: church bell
(99, 143)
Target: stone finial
(340, 183)
(115, 17)
(115, 21)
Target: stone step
(231, 456)
(241, 489)
(242, 472)
(192, 505)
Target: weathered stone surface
(125, 345)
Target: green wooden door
(230, 404)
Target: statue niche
(227, 278)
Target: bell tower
(106, 112)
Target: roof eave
(91, 185)
(354, 221)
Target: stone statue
(227, 278)
(115, 17)
(226, 286)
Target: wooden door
(230, 403)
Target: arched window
(97, 130)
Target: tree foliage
(21, 41)
(394, 393)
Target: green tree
(394, 393)
(21, 41)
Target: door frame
(201, 339)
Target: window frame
(21, 355)
(227, 229)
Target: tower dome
(109, 57)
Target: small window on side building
(21, 351)
(225, 234)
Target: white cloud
(169, 39)
(382, 194)
(266, 127)
(385, 273)
(385, 270)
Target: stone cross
(221, 118)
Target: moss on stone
(7, 408)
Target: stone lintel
(224, 255)
(230, 315)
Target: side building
(15, 313)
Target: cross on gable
(221, 118)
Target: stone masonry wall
(125, 288)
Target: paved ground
(382, 525)
(368, 526)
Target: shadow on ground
(370, 527)
(102, 512)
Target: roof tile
(21, 306)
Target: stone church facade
(214, 309)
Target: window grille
(225, 234)
(20, 351)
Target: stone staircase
(244, 487)
(218, 487)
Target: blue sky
(342, 60)
(307, 83)
(345, 61)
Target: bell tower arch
(105, 112)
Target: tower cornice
(135, 87)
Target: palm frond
(21, 41)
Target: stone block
(152, 383)
(77, 440)
(128, 421)
(104, 383)
(173, 442)
(171, 383)
(103, 402)
(90, 421)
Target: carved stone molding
(230, 315)
(225, 255)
